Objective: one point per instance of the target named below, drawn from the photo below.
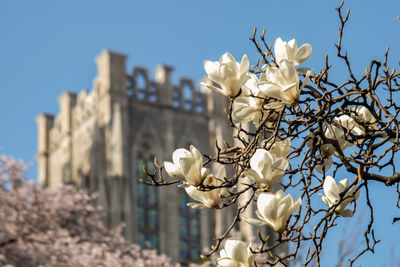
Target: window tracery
(189, 229)
(147, 205)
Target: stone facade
(98, 138)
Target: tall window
(189, 229)
(147, 206)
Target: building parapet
(183, 96)
(75, 109)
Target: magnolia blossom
(363, 114)
(326, 158)
(227, 73)
(280, 148)
(249, 105)
(266, 169)
(274, 210)
(211, 198)
(186, 165)
(236, 254)
(289, 51)
(332, 195)
(281, 83)
(332, 131)
(335, 132)
(247, 108)
(326, 151)
(250, 87)
(350, 124)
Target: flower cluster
(340, 130)
(260, 99)
(332, 195)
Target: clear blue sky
(47, 47)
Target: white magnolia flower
(250, 87)
(186, 165)
(247, 108)
(334, 132)
(332, 195)
(289, 51)
(235, 254)
(281, 83)
(266, 169)
(350, 124)
(280, 149)
(227, 73)
(274, 210)
(326, 151)
(326, 164)
(209, 199)
(362, 114)
(249, 105)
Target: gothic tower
(101, 139)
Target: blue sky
(47, 47)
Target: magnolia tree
(61, 227)
(298, 132)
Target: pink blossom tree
(58, 227)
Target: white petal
(284, 207)
(280, 194)
(278, 106)
(227, 58)
(173, 171)
(212, 70)
(227, 262)
(196, 153)
(252, 174)
(342, 185)
(272, 90)
(194, 193)
(346, 213)
(326, 165)
(292, 44)
(279, 49)
(216, 89)
(280, 148)
(267, 205)
(288, 71)
(303, 53)
(261, 162)
(236, 250)
(254, 222)
(291, 48)
(281, 164)
(178, 154)
(330, 189)
(296, 206)
(251, 85)
(196, 206)
(325, 200)
(244, 66)
(303, 69)
(221, 173)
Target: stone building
(101, 139)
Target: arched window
(176, 97)
(147, 205)
(153, 92)
(189, 229)
(141, 85)
(187, 96)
